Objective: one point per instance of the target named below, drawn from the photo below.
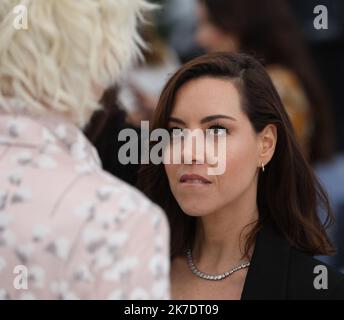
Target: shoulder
(280, 74)
(310, 278)
(106, 202)
(280, 271)
(288, 86)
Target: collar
(268, 273)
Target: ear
(267, 144)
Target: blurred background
(306, 65)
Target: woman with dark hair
(267, 30)
(250, 232)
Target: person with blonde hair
(68, 230)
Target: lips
(193, 179)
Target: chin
(196, 210)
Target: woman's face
(210, 37)
(212, 103)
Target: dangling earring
(263, 169)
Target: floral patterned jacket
(68, 230)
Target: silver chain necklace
(214, 277)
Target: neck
(221, 235)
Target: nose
(201, 38)
(193, 148)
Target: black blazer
(279, 271)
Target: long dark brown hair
(267, 30)
(289, 194)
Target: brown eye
(217, 130)
(176, 132)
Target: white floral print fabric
(68, 230)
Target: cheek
(171, 172)
(241, 168)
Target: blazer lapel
(268, 273)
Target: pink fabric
(79, 232)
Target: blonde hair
(69, 48)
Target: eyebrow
(204, 120)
